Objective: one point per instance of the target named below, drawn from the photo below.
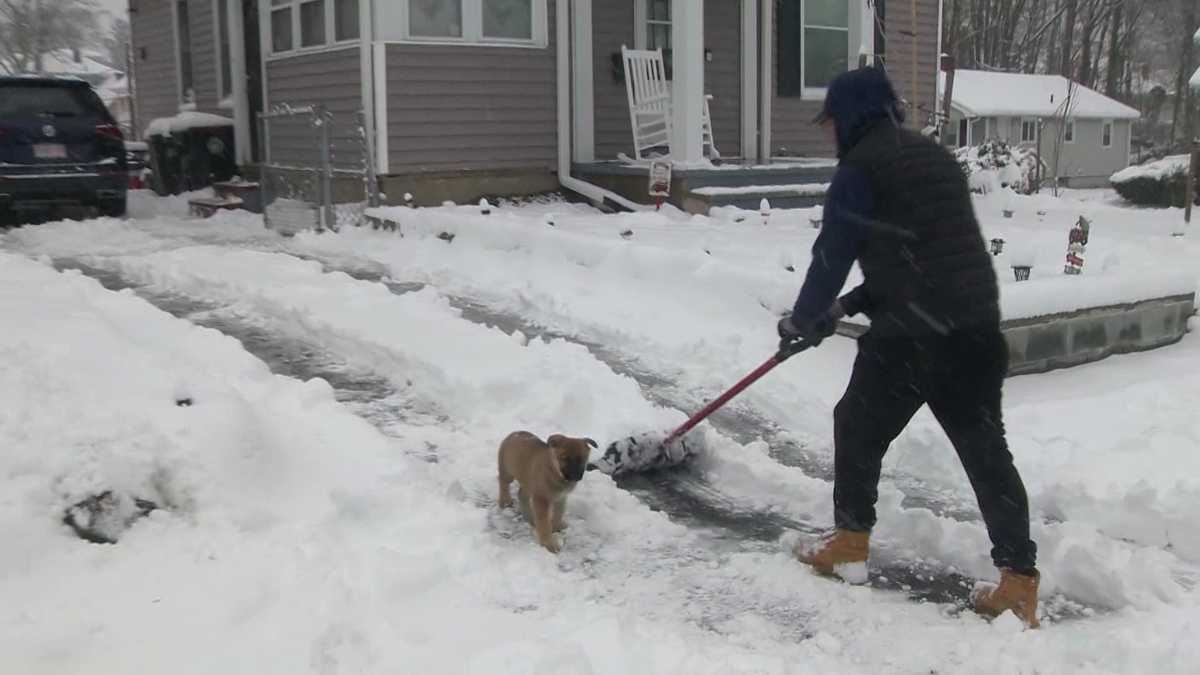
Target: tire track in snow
(373, 397)
(737, 420)
(686, 497)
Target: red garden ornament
(1077, 241)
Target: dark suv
(59, 146)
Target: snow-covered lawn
(347, 524)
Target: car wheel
(114, 209)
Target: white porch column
(237, 73)
(583, 109)
(687, 45)
(749, 78)
(766, 74)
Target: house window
(504, 23)
(183, 32)
(1107, 135)
(435, 18)
(1029, 130)
(963, 132)
(281, 25)
(658, 26)
(345, 20)
(813, 39)
(508, 19)
(1069, 131)
(317, 23)
(312, 23)
(826, 41)
(224, 67)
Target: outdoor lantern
(1021, 272)
(997, 246)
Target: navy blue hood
(858, 99)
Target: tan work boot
(1016, 592)
(830, 553)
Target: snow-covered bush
(1160, 183)
(996, 164)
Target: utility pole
(1193, 151)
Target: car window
(34, 100)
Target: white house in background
(1083, 136)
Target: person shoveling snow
(934, 339)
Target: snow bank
(1055, 295)
(1167, 167)
(410, 573)
(166, 126)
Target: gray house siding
(1085, 162)
(792, 133)
(472, 107)
(723, 75)
(154, 62)
(156, 59)
(614, 24)
(330, 78)
(898, 49)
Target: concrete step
(788, 174)
(248, 192)
(779, 196)
(205, 207)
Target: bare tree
(1068, 40)
(31, 28)
(117, 44)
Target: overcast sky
(116, 7)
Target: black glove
(812, 332)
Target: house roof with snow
(979, 93)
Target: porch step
(792, 196)
(816, 171)
(248, 192)
(205, 207)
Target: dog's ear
(591, 442)
(556, 441)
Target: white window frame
(819, 92)
(857, 37)
(1034, 123)
(223, 102)
(392, 18)
(641, 28)
(1069, 125)
(331, 42)
(1111, 128)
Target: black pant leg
(965, 396)
(881, 398)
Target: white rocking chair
(649, 95)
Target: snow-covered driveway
(346, 524)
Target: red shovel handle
(785, 352)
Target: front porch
(788, 183)
(744, 54)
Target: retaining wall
(1045, 343)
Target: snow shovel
(650, 451)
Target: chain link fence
(316, 174)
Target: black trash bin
(208, 156)
(166, 165)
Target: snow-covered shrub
(1160, 183)
(996, 164)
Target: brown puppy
(547, 472)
